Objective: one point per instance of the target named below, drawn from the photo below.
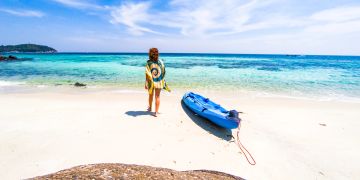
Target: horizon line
(216, 53)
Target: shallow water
(325, 76)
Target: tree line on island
(23, 48)
(27, 48)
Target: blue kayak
(211, 111)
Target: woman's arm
(146, 78)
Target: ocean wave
(10, 83)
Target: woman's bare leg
(150, 101)
(157, 101)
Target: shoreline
(44, 132)
(13, 87)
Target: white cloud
(219, 26)
(193, 18)
(340, 20)
(214, 16)
(200, 18)
(79, 4)
(338, 14)
(132, 15)
(335, 28)
(129, 14)
(24, 13)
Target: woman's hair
(153, 54)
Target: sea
(311, 76)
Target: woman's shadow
(207, 125)
(137, 113)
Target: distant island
(27, 48)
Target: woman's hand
(146, 85)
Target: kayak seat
(190, 95)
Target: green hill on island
(32, 48)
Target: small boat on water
(211, 111)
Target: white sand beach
(47, 131)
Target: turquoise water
(284, 74)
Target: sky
(188, 26)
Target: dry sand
(47, 131)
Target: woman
(155, 79)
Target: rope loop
(242, 148)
